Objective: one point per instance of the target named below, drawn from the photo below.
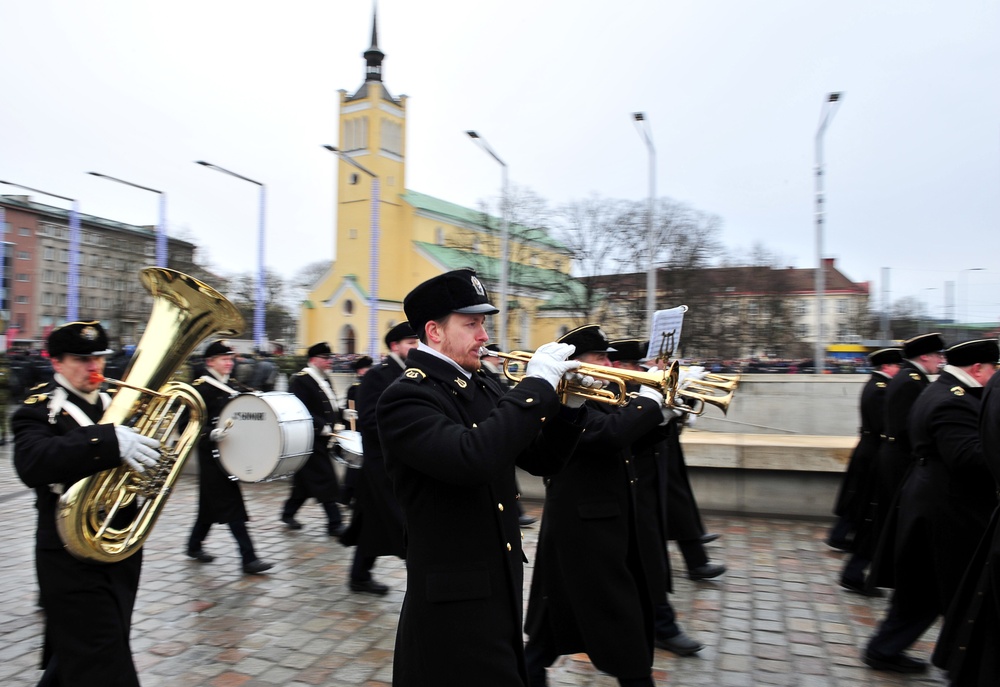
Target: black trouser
(909, 617)
(299, 496)
(694, 553)
(361, 568)
(665, 621)
(240, 534)
(538, 657)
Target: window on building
(23, 255)
(49, 253)
(24, 231)
(392, 137)
(48, 298)
(439, 236)
(800, 308)
(352, 233)
(348, 340)
(22, 300)
(61, 300)
(348, 307)
(356, 133)
(64, 256)
(842, 306)
(23, 277)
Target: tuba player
(59, 439)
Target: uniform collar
(437, 354)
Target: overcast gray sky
(732, 88)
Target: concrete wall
(781, 449)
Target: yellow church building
(390, 238)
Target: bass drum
(270, 436)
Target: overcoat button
(509, 547)
(500, 506)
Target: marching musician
(377, 525)
(348, 490)
(220, 498)
(316, 478)
(594, 583)
(60, 439)
(663, 497)
(451, 440)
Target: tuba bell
(90, 512)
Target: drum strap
(209, 379)
(323, 384)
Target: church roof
(459, 213)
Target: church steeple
(373, 56)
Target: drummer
(219, 497)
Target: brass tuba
(90, 511)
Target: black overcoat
(891, 465)
(380, 520)
(450, 447)
(88, 606)
(857, 490)
(947, 497)
(219, 496)
(651, 457)
(593, 585)
(683, 516)
(316, 477)
(970, 635)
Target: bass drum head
(270, 437)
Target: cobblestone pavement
(775, 618)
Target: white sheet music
(666, 334)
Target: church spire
(373, 56)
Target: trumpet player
(665, 501)
(59, 440)
(594, 581)
(451, 440)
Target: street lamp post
(259, 337)
(161, 230)
(642, 124)
(504, 237)
(373, 249)
(829, 108)
(73, 277)
(965, 289)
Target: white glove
(137, 451)
(690, 419)
(326, 431)
(686, 375)
(574, 401)
(349, 414)
(549, 362)
(586, 381)
(218, 434)
(651, 393)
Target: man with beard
(451, 440)
(377, 526)
(944, 504)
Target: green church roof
(559, 290)
(453, 211)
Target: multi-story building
(36, 274)
(742, 312)
(390, 238)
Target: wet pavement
(776, 617)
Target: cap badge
(478, 285)
(88, 333)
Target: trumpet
(713, 389)
(691, 399)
